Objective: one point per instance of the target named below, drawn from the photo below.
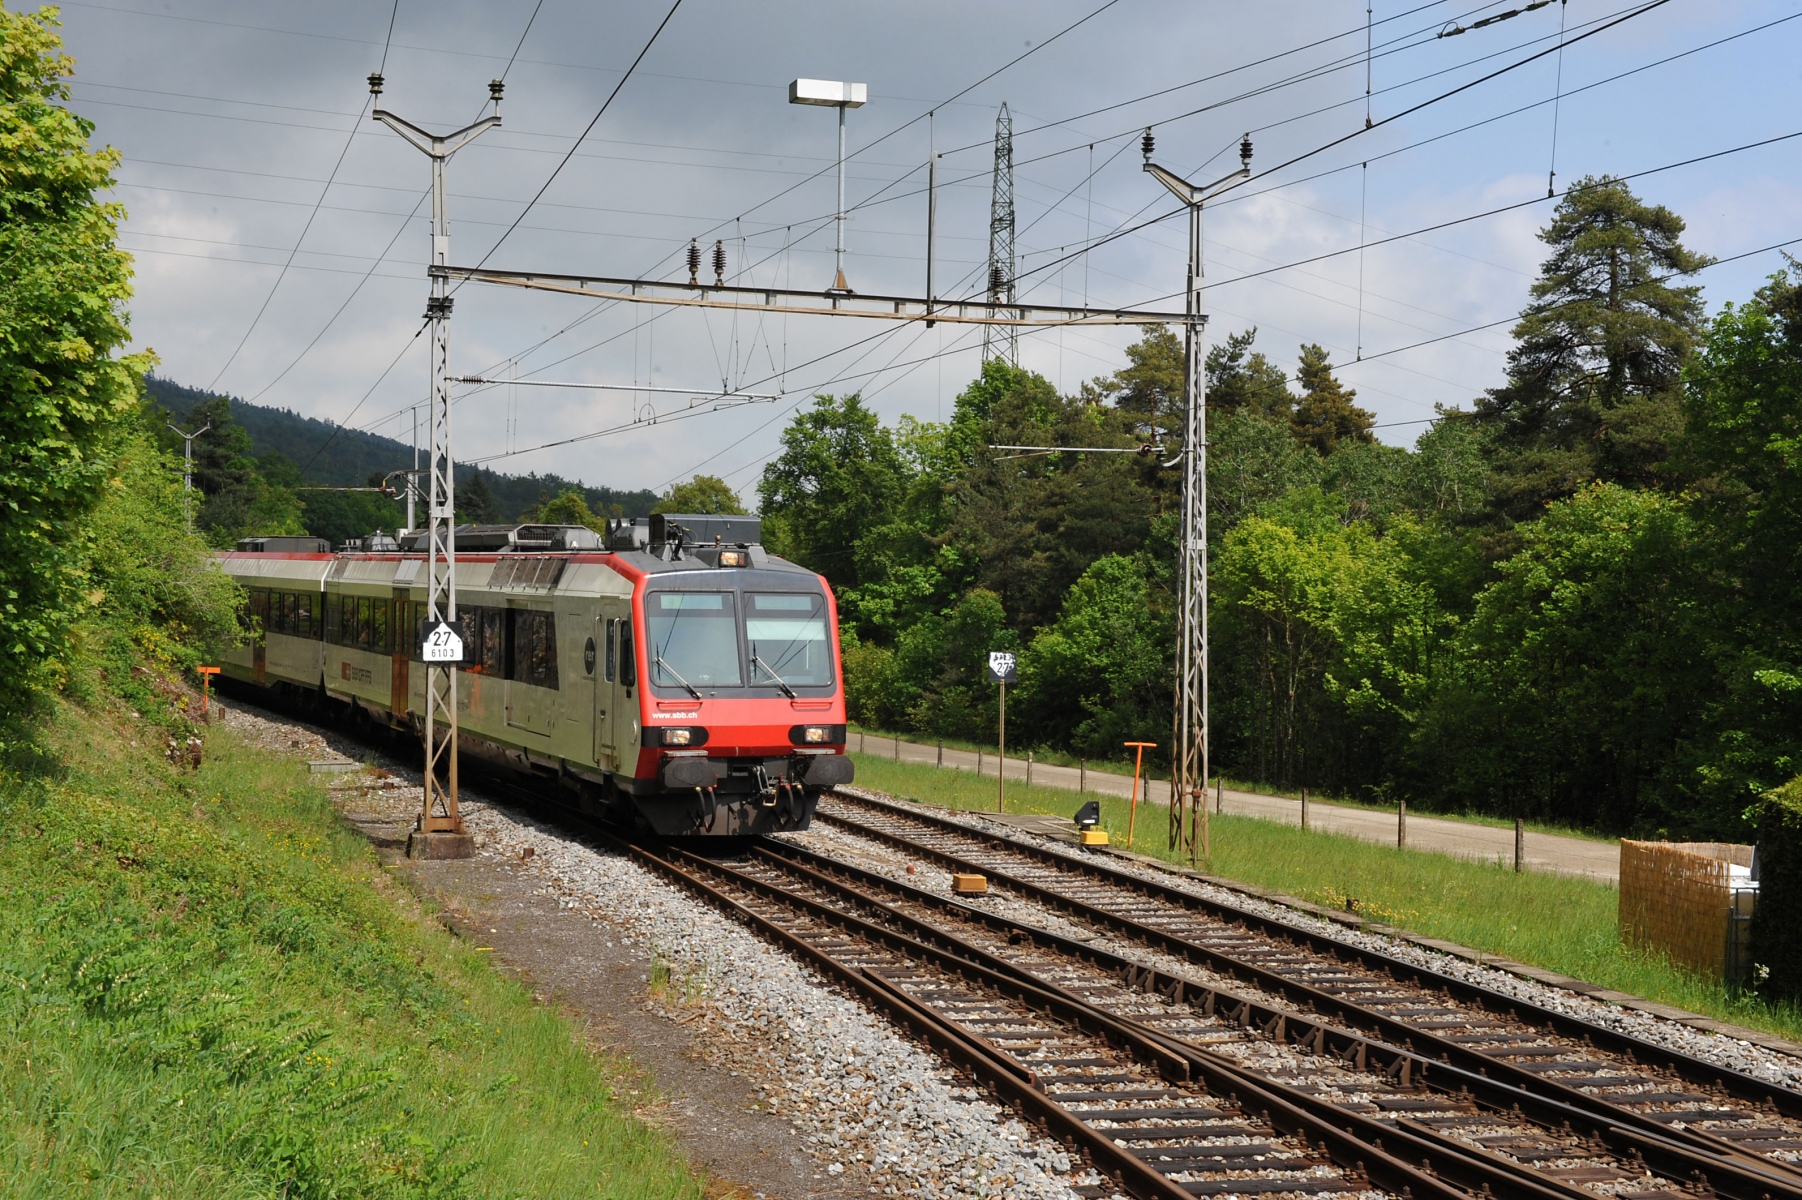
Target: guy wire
(1363, 200)
(1557, 98)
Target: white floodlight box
(828, 92)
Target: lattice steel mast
(1003, 342)
(1189, 765)
(439, 813)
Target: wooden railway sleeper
(1564, 1095)
(1740, 1086)
(1347, 1150)
(1201, 1060)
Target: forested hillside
(268, 470)
(1575, 598)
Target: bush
(1777, 921)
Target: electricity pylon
(439, 814)
(1189, 766)
(1002, 342)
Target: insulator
(1147, 143)
(1245, 150)
(719, 264)
(694, 263)
(375, 83)
(495, 88)
(997, 280)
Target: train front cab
(739, 694)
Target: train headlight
(733, 558)
(677, 736)
(816, 735)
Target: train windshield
(786, 636)
(693, 640)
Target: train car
(674, 677)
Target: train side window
(534, 647)
(470, 617)
(494, 642)
(378, 626)
(315, 614)
(612, 647)
(628, 655)
(291, 613)
(333, 622)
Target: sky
(281, 234)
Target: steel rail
(1673, 1161)
(1024, 1091)
(1468, 1166)
(1757, 1174)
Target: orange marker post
(206, 680)
(1132, 814)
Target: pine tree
(1326, 416)
(475, 500)
(1250, 384)
(1593, 380)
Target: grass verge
(210, 989)
(1560, 924)
(1124, 766)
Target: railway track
(1157, 1118)
(1685, 1119)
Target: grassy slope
(210, 989)
(1561, 924)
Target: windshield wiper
(758, 662)
(692, 689)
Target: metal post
(1189, 760)
(1304, 808)
(831, 93)
(1001, 763)
(1082, 777)
(439, 812)
(932, 219)
(1132, 812)
(838, 253)
(1520, 843)
(413, 479)
(1220, 794)
(941, 761)
(1029, 768)
(1401, 824)
(187, 468)
(897, 747)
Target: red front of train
(740, 702)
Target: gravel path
(857, 1092)
(1767, 1065)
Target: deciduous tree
(64, 395)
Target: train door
(605, 671)
(404, 633)
(625, 703)
(259, 651)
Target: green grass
(1124, 766)
(211, 989)
(1549, 921)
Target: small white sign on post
(441, 644)
(1003, 666)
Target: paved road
(1544, 851)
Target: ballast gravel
(1768, 1066)
(854, 1089)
